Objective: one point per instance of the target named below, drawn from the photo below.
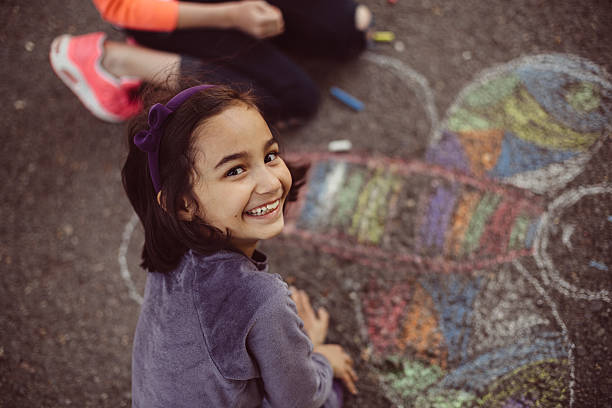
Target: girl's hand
(315, 324)
(341, 363)
(258, 18)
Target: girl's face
(241, 182)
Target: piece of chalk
(392, 1)
(383, 36)
(342, 145)
(344, 97)
(610, 218)
(598, 265)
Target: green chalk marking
(441, 398)
(380, 208)
(491, 92)
(482, 213)
(347, 199)
(464, 120)
(362, 204)
(369, 219)
(416, 383)
(414, 379)
(519, 230)
(584, 97)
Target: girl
(216, 329)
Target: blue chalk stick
(610, 218)
(598, 265)
(346, 98)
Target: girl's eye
(270, 156)
(235, 171)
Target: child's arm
(341, 363)
(254, 17)
(292, 374)
(315, 326)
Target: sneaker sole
(74, 79)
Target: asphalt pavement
(435, 312)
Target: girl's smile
(241, 182)
(265, 209)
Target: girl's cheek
(286, 177)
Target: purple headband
(148, 140)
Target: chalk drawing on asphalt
(431, 345)
(451, 232)
(449, 239)
(410, 78)
(411, 213)
(124, 270)
(533, 122)
(564, 277)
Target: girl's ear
(186, 211)
(159, 200)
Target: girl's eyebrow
(230, 158)
(270, 142)
(241, 155)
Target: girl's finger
(295, 296)
(293, 291)
(348, 382)
(306, 304)
(347, 359)
(298, 298)
(353, 374)
(323, 315)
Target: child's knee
(363, 18)
(353, 42)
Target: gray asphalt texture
(67, 317)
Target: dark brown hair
(167, 237)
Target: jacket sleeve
(147, 15)
(292, 374)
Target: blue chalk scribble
(598, 265)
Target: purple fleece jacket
(220, 331)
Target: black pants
(321, 28)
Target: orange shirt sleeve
(148, 15)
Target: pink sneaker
(78, 62)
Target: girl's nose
(267, 181)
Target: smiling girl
(216, 329)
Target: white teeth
(264, 209)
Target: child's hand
(258, 18)
(341, 363)
(315, 324)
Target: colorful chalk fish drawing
(464, 322)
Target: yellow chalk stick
(383, 36)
